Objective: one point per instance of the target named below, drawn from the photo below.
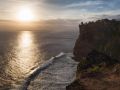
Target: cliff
(102, 35)
(97, 50)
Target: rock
(102, 36)
(76, 85)
(97, 50)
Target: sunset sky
(59, 9)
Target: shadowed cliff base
(97, 50)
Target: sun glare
(25, 14)
(26, 39)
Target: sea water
(23, 53)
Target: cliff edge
(97, 50)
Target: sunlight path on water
(26, 54)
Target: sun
(25, 15)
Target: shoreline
(50, 63)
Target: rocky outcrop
(102, 35)
(97, 50)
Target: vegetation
(97, 50)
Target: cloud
(63, 8)
(84, 4)
(60, 2)
(75, 7)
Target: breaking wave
(62, 63)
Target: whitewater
(54, 74)
(26, 60)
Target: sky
(61, 9)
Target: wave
(38, 70)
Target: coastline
(97, 51)
(65, 58)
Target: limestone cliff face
(102, 35)
(97, 50)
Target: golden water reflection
(27, 55)
(26, 39)
(26, 52)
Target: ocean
(27, 59)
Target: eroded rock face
(102, 35)
(76, 85)
(97, 50)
